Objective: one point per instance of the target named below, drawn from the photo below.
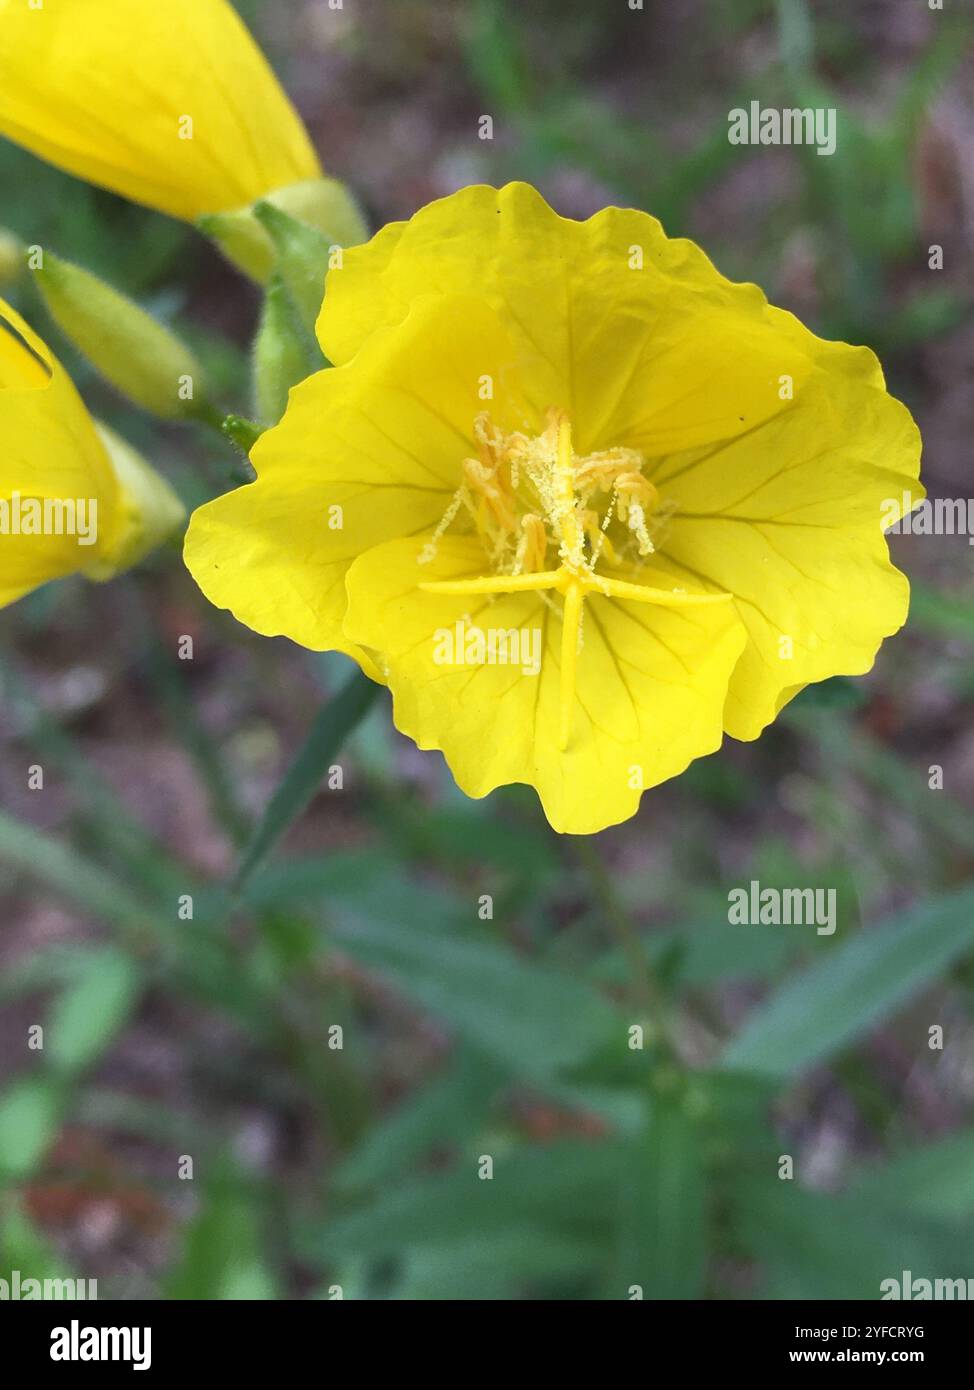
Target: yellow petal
(790, 520)
(728, 397)
(363, 454)
(172, 105)
(636, 335)
(749, 459)
(99, 506)
(49, 450)
(649, 681)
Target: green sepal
(324, 205)
(304, 257)
(284, 352)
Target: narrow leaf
(532, 1019)
(568, 1187)
(814, 1245)
(30, 851)
(822, 1010)
(445, 1112)
(662, 1239)
(302, 779)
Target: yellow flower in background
(170, 104)
(580, 501)
(74, 497)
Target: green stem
(646, 988)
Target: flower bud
(131, 349)
(148, 511)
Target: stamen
(428, 552)
(525, 493)
(532, 544)
(636, 521)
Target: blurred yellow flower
(73, 495)
(172, 105)
(583, 503)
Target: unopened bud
(148, 510)
(131, 349)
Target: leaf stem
(646, 988)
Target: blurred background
(293, 1093)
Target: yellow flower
(579, 430)
(172, 105)
(73, 495)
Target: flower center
(546, 517)
(532, 497)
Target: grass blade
(329, 731)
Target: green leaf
(521, 1261)
(534, 1020)
(858, 983)
(92, 1009)
(50, 966)
(222, 1256)
(814, 1245)
(934, 1179)
(182, 711)
(447, 1111)
(947, 615)
(465, 833)
(838, 693)
(74, 878)
(369, 883)
(30, 1115)
(568, 1187)
(796, 35)
(662, 1244)
(303, 777)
